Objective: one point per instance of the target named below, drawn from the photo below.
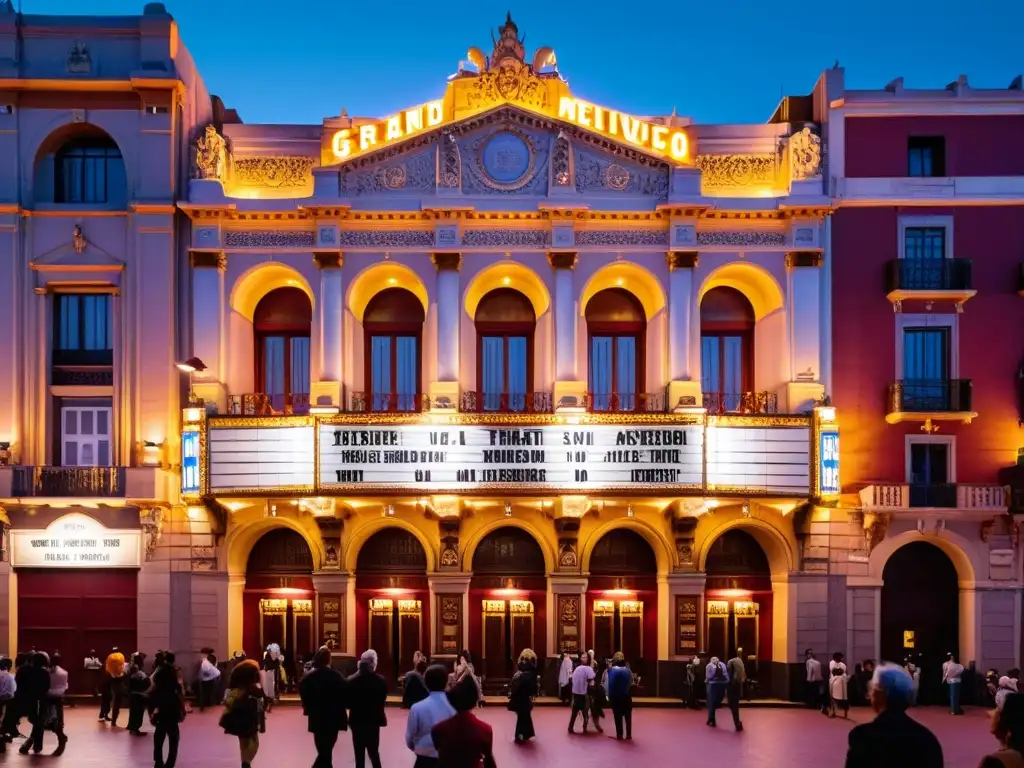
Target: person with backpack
(717, 677)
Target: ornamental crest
(512, 81)
(805, 154)
(211, 155)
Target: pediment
(78, 255)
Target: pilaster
(569, 391)
(209, 314)
(328, 391)
(803, 279)
(684, 389)
(444, 393)
(449, 599)
(566, 628)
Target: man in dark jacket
(34, 684)
(892, 739)
(323, 702)
(366, 694)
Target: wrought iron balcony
(260, 404)
(925, 396)
(506, 402)
(928, 278)
(627, 402)
(388, 402)
(963, 496)
(82, 376)
(752, 403)
(91, 482)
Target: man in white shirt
(952, 675)
(7, 690)
(209, 674)
(814, 681)
(424, 715)
(582, 678)
(717, 677)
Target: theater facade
(504, 369)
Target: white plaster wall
(771, 353)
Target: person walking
(893, 739)
(138, 685)
(367, 694)
(565, 678)
(19, 706)
(814, 682)
(34, 686)
(737, 672)
(54, 704)
(93, 674)
(166, 699)
(209, 675)
(323, 701)
(463, 740)
(270, 670)
(425, 714)
(582, 678)
(838, 692)
(8, 688)
(243, 710)
(113, 682)
(952, 676)
(717, 678)
(414, 688)
(522, 691)
(620, 696)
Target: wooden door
(303, 640)
(273, 623)
(410, 632)
(604, 628)
(521, 618)
(380, 635)
(746, 620)
(495, 647)
(631, 629)
(717, 628)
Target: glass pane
(70, 422)
(70, 454)
(86, 422)
(88, 455)
(299, 384)
(710, 376)
(938, 464)
(380, 371)
(518, 386)
(405, 361)
(600, 383)
(97, 332)
(273, 370)
(102, 423)
(67, 311)
(103, 453)
(493, 367)
(626, 373)
(732, 371)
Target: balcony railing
(506, 402)
(924, 396)
(82, 376)
(928, 275)
(741, 402)
(260, 404)
(627, 402)
(68, 481)
(388, 402)
(963, 496)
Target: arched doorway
(392, 599)
(726, 350)
(738, 590)
(622, 600)
(507, 599)
(278, 599)
(920, 607)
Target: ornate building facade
(506, 369)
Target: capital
(803, 259)
(328, 259)
(446, 261)
(209, 260)
(682, 260)
(562, 259)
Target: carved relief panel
(412, 172)
(505, 159)
(567, 630)
(596, 171)
(449, 625)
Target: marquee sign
(76, 541)
(421, 458)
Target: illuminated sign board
(670, 142)
(190, 462)
(828, 464)
(76, 541)
(422, 458)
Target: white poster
(76, 541)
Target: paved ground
(773, 738)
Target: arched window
(505, 322)
(616, 327)
(393, 329)
(89, 169)
(726, 349)
(281, 325)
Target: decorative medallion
(616, 177)
(450, 557)
(567, 556)
(507, 159)
(393, 176)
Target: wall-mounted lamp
(151, 453)
(191, 366)
(389, 510)
(629, 510)
(508, 509)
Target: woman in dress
(565, 678)
(243, 710)
(521, 692)
(837, 688)
(268, 676)
(464, 669)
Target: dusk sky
(297, 61)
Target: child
(837, 691)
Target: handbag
(241, 718)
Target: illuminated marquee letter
(631, 129)
(584, 113)
(367, 136)
(435, 113)
(598, 118)
(679, 146)
(658, 134)
(394, 130)
(341, 144)
(414, 120)
(567, 109)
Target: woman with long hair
(1008, 728)
(464, 669)
(243, 710)
(521, 693)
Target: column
(566, 605)
(567, 384)
(449, 606)
(44, 325)
(208, 323)
(449, 316)
(804, 327)
(332, 610)
(327, 391)
(683, 360)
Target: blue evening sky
(297, 61)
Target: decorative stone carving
(399, 238)
(79, 60)
(568, 559)
(804, 154)
(204, 558)
(78, 239)
(986, 529)
(274, 172)
(561, 161)
(449, 543)
(876, 524)
(449, 172)
(211, 155)
(330, 531)
(206, 236)
(568, 532)
(511, 81)
(152, 521)
(737, 171)
(742, 239)
(270, 239)
(594, 171)
(517, 238)
(683, 528)
(629, 237)
(483, 152)
(393, 176)
(411, 172)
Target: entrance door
(732, 624)
(289, 623)
(507, 630)
(396, 632)
(618, 626)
